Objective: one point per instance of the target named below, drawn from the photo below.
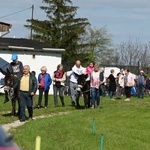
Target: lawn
(125, 126)
(5, 115)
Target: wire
(15, 12)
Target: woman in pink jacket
(89, 68)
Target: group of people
(125, 81)
(26, 85)
(95, 77)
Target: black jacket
(32, 83)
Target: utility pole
(31, 36)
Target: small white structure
(107, 71)
(33, 56)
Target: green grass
(5, 109)
(125, 126)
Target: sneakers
(92, 107)
(127, 100)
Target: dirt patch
(17, 123)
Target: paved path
(17, 123)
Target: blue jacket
(47, 80)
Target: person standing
(16, 68)
(147, 86)
(102, 84)
(112, 84)
(33, 97)
(44, 81)
(141, 81)
(89, 68)
(77, 70)
(128, 82)
(27, 84)
(59, 78)
(120, 83)
(95, 83)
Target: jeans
(103, 90)
(61, 95)
(95, 96)
(110, 94)
(25, 100)
(140, 90)
(41, 90)
(74, 93)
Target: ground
(125, 126)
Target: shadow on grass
(7, 115)
(77, 107)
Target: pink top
(89, 70)
(95, 80)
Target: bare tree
(99, 44)
(132, 52)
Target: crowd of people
(26, 85)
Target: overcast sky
(122, 18)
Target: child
(89, 68)
(87, 72)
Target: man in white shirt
(76, 71)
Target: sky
(122, 18)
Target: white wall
(107, 71)
(50, 60)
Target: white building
(31, 53)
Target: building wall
(50, 60)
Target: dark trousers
(25, 100)
(61, 94)
(15, 99)
(102, 90)
(128, 92)
(41, 90)
(140, 90)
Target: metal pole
(138, 67)
(31, 36)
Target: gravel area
(17, 123)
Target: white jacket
(78, 71)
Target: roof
(26, 44)
(4, 27)
(4, 64)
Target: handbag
(57, 83)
